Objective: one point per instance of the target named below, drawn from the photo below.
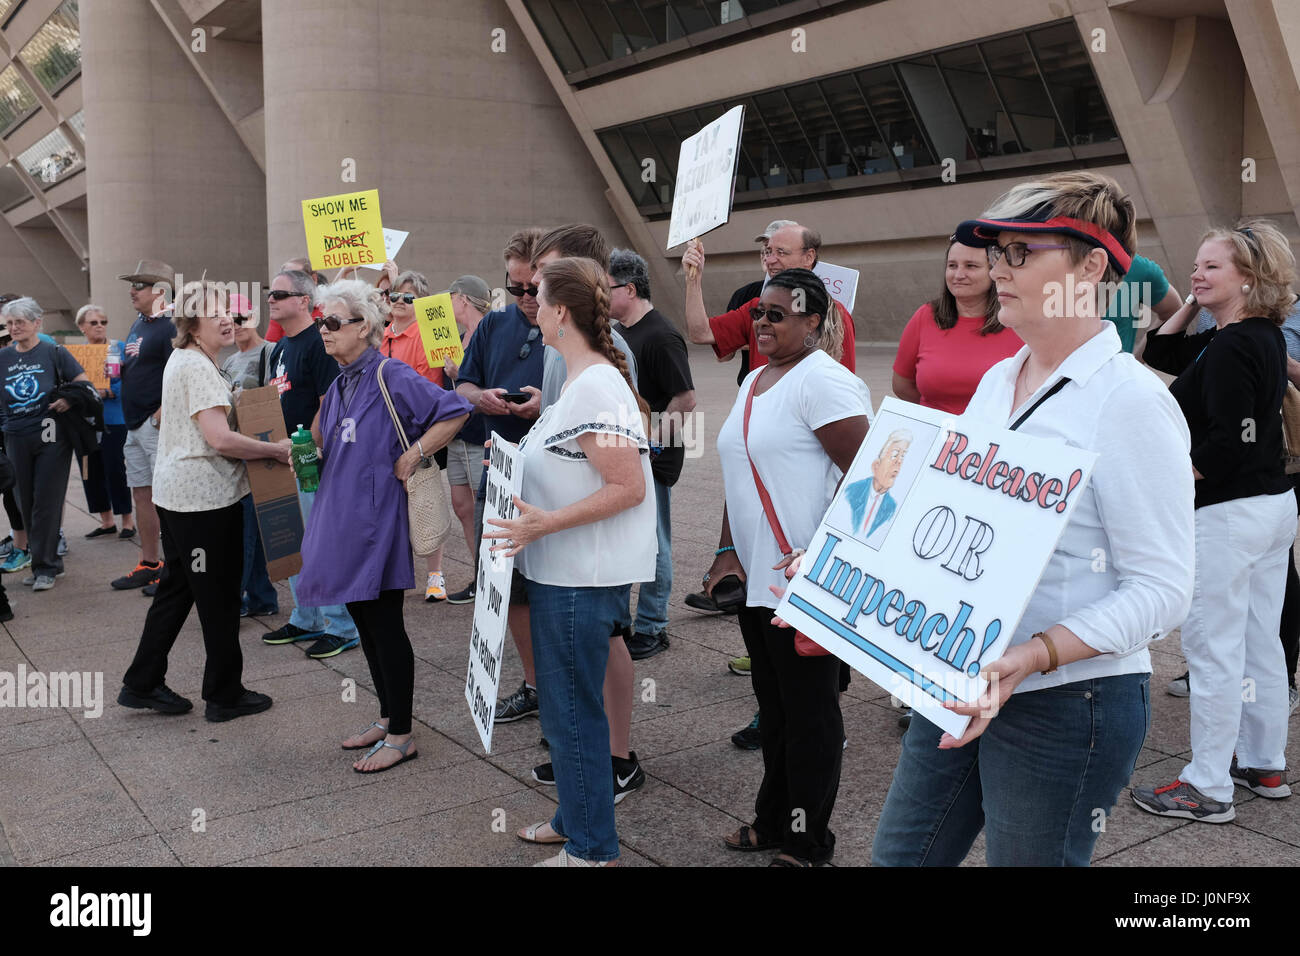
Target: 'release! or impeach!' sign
(438, 332)
(925, 561)
(345, 230)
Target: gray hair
(303, 283)
(362, 301)
(85, 310)
(24, 308)
(628, 268)
(899, 436)
(416, 280)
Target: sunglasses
(1016, 252)
(334, 322)
(141, 286)
(758, 313)
(519, 291)
(527, 349)
(279, 295)
(241, 319)
(91, 322)
(407, 297)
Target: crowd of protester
(592, 382)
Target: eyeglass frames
(1016, 252)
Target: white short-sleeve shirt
(617, 550)
(189, 474)
(799, 476)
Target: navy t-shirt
(144, 356)
(492, 361)
(302, 370)
(29, 378)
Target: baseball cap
(982, 233)
(473, 287)
(772, 227)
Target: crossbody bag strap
(383, 390)
(763, 496)
(1034, 407)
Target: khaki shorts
(141, 452)
(464, 463)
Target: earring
(559, 334)
(1245, 288)
(810, 341)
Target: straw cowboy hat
(153, 271)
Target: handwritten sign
(706, 178)
(492, 592)
(929, 553)
(438, 330)
(344, 230)
(91, 358)
(841, 283)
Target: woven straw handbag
(1291, 429)
(426, 499)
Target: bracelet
(1051, 652)
(724, 550)
(420, 448)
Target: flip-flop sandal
(530, 834)
(745, 845)
(396, 763)
(366, 731)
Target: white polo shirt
(1122, 573)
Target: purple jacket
(358, 537)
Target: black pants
(204, 551)
(802, 734)
(389, 654)
(105, 481)
(42, 468)
(1290, 626)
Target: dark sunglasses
(279, 295)
(758, 313)
(519, 291)
(93, 322)
(241, 319)
(527, 349)
(334, 323)
(141, 286)
(407, 297)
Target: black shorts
(518, 590)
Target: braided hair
(830, 332)
(582, 287)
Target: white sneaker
(436, 587)
(1179, 687)
(563, 859)
(43, 583)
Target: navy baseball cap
(982, 233)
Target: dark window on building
(1067, 70)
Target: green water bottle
(306, 460)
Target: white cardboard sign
(394, 239)
(841, 283)
(706, 178)
(922, 567)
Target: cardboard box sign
(275, 489)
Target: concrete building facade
(190, 130)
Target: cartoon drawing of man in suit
(870, 502)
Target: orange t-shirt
(408, 347)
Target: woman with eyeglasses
(1056, 735)
(799, 418)
(198, 485)
(1230, 384)
(107, 493)
(362, 500)
(250, 368)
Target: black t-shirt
(144, 356)
(663, 370)
(742, 295)
(302, 370)
(29, 378)
(1229, 386)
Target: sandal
(529, 834)
(784, 859)
(366, 731)
(748, 841)
(396, 763)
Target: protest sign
(706, 178)
(344, 230)
(274, 487)
(438, 331)
(394, 239)
(492, 591)
(923, 565)
(841, 283)
(91, 358)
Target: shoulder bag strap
(261, 365)
(763, 496)
(383, 390)
(1034, 407)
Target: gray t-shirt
(554, 374)
(249, 369)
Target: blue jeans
(571, 629)
(256, 589)
(333, 619)
(652, 599)
(1036, 781)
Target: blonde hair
(1261, 252)
(195, 301)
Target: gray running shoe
(1180, 799)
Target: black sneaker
(522, 703)
(628, 775)
(544, 774)
(149, 590)
(749, 738)
(641, 646)
(289, 634)
(162, 699)
(141, 575)
(6, 613)
(905, 720)
(331, 645)
(1267, 783)
(462, 597)
(249, 702)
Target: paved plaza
(132, 788)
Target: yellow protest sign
(438, 329)
(344, 230)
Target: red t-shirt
(734, 330)
(947, 364)
(274, 331)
